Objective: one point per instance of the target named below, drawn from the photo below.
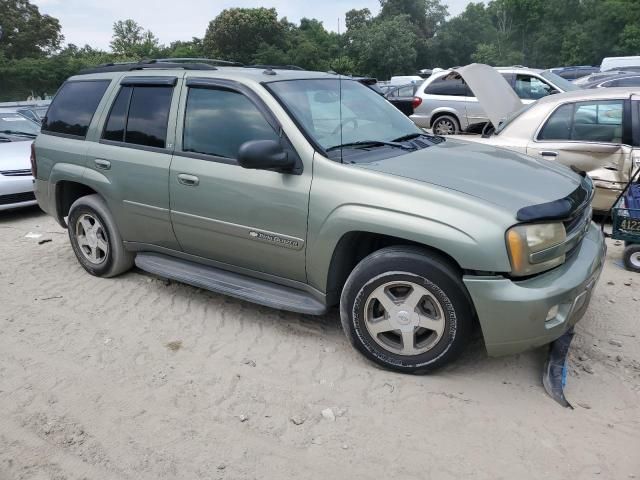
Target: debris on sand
(44, 240)
(175, 345)
(328, 414)
(615, 343)
(297, 420)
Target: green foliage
(385, 47)
(25, 31)
(131, 40)
(237, 33)
(405, 36)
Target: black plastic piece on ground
(555, 369)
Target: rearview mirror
(264, 155)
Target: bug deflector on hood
(495, 95)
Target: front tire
(95, 238)
(406, 309)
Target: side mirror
(264, 155)
(553, 91)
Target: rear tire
(95, 238)
(446, 125)
(406, 309)
(631, 257)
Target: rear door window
(599, 121)
(73, 108)
(140, 116)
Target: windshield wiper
(16, 132)
(370, 143)
(410, 136)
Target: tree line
(405, 36)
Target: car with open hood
(449, 105)
(594, 131)
(306, 191)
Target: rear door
(593, 136)
(134, 155)
(247, 219)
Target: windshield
(562, 83)
(506, 121)
(334, 112)
(14, 123)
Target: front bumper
(513, 314)
(16, 192)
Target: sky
(91, 21)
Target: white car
(446, 104)
(16, 181)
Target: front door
(244, 219)
(591, 136)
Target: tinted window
(218, 122)
(148, 116)
(118, 116)
(73, 107)
(440, 86)
(531, 88)
(587, 122)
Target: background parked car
(403, 98)
(16, 181)
(448, 105)
(627, 79)
(574, 72)
(590, 130)
(619, 63)
(33, 110)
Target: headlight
(531, 247)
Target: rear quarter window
(452, 87)
(73, 107)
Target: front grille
(17, 198)
(577, 226)
(16, 173)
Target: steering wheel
(342, 125)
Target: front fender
(470, 251)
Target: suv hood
(15, 155)
(495, 95)
(502, 177)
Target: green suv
(303, 191)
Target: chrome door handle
(102, 164)
(548, 153)
(188, 180)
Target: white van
(405, 80)
(619, 63)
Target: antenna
(340, 119)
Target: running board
(228, 283)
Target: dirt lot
(133, 378)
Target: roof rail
(144, 65)
(208, 61)
(274, 67)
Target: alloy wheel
(404, 318)
(92, 239)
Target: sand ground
(134, 378)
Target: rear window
(73, 107)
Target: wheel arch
(354, 246)
(442, 113)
